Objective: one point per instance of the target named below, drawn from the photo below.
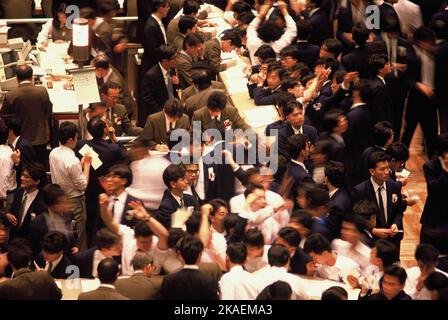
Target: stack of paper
(260, 116)
(96, 162)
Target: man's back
(188, 284)
(102, 293)
(29, 285)
(33, 108)
(139, 286)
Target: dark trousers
(443, 115)
(421, 109)
(437, 236)
(42, 155)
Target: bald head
(24, 72)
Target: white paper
(86, 87)
(403, 173)
(96, 162)
(260, 116)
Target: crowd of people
(199, 218)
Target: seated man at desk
(116, 114)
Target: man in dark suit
(290, 238)
(20, 144)
(434, 222)
(382, 106)
(26, 284)
(219, 112)
(359, 125)
(334, 126)
(203, 87)
(192, 51)
(387, 195)
(358, 60)
(159, 125)
(440, 27)
(189, 283)
(109, 154)
(174, 197)
(420, 80)
(108, 244)
(298, 146)
(32, 106)
(158, 84)
(141, 285)
(392, 285)
(53, 258)
(28, 201)
(293, 111)
(144, 10)
(306, 52)
(321, 27)
(383, 136)
(108, 272)
(154, 33)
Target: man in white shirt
(327, 263)
(7, 174)
(257, 251)
(71, 175)
(426, 256)
(237, 284)
(350, 245)
(279, 258)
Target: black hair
(54, 242)
(60, 9)
(166, 52)
(318, 197)
(290, 235)
(334, 46)
(358, 221)
(174, 235)
(52, 193)
(264, 52)
(218, 203)
(296, 144)
(173, 108)
(436, 281)
(233, 36)
(3, 132)
(382, 133)
(278, 256)
(108, 270)
(335, 173)
(439, 24)
(24, 72)
(142, 229)
(289, 83)
(304, 29)
(426, 254)
(96, 127)
(190, 7)
(186, 22)
(377, 62)
(106, 6)
(230, 222)
(317, 244)
(335, 293)
(251, 187)
(173, 173)
(95, 105)
(386, 251)
(268, 31)
(245, 18)
(123, 172)
(87, 13)
(192, 40)
(19, 253)
(283, 98)
(375, 158)
(237, 253)
(240, 6)
(442, 144)
(37, 172)
(190, 248)
(13, 123)
(330, 120)
(398, 151)
(106, 239)
(201, 78)
(217, 101)
(157, 4)
(424, 34)
(289, 51)
(365, 208)
(193, 223)
(67, 130)
(105, 87)
(279, 290)
(360, 34)
(101, 61)
(302, 217)
(396, 271)
(253, 238)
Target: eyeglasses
(191, 171)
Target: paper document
(96, 162)
(260, 116)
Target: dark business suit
(317, 107)
(359, 125)
(357, 60)
(155, 127)
(169, 205)
(60, 271)
(191, 90)
(321, 28)
(299, 261)
(382, 106)
(434, 219)
(124, 214)
(365, 174)
(212, 54)
(121, 122)
(139, 286)
(229, 113)
(198, 100)
(126, 98)
(427, 116)
(321, 226)
(286, 130)
(299, 176)
(36, 208)
(365, 191)
(144, 8)
(183, 67)
(84, 261)
(345, 25)
(152, 39)
(29, 285)
(102, 293)
(109, 154)
(27, 156)
(265, 96)
(154, 94)
(334, 149)
(307, 53)
(340, 206)
(188, 284)
(32, 106)
(401, 296)
(441, 82)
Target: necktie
(182, 202)
(22, 211)
(195, 194)
(381, 204)
(169, 86)
(113, 206)
(50, 266)
(108, 116)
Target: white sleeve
(287, 37)
(47, 28)
(77, 176)
(260, 216)
(227, 290)
(251, 31)
(7, 166)
(228, 16)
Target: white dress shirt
(383, 195)
(409, 14)
(254, 264)
(359, 253)
(411, 284)
(427, 66)
(237, 284)
(331, 193)
(218, 247)
(66, 171)
(98, 256)
(268, 275)
(118, 205)
(29, 200)
(342, 268)
(7, 174)
(162, 27)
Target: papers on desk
(315, 286)
(64, 101)
(96, 162)
(71, 288)
(214, 15)
(260, 116)
(86, 87)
